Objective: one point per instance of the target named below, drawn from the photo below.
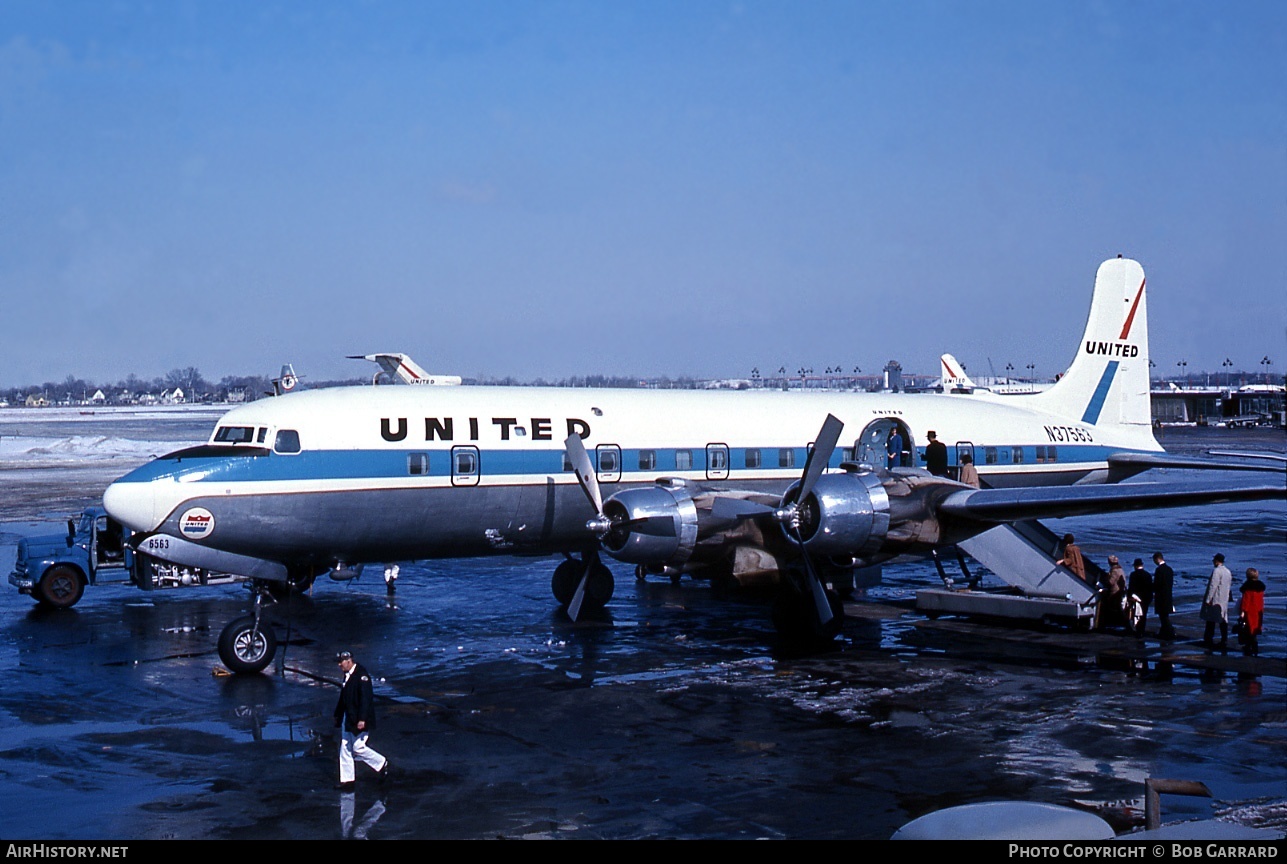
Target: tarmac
(672, 718)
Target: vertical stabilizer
(952, 377)
(1108, 381)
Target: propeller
(585, 475)
(789, 515)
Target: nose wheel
(248, 644)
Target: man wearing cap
(355, 717)
(936, 456)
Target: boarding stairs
(1022, 555)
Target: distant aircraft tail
(286, 381)
(952, 377)
(1108, 381)
(399, 367)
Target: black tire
(795, 614)
(567, 576)
(599, 587)
(61, 587)
(245, 650)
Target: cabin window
(786, 457)
(1052, 453)
(683, 460)
(287, 441)
(465, 468)
(990, 455)
(647, 460)
(1041, 453)
(1018, 455)
(846, 454)
(716, 461)
(752, 457)
(235, 434)
(567, 463)
(608, 460)
(262, 436)
(417, 464)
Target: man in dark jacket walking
(1163, 595)
(355, 718)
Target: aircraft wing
(1011, 505)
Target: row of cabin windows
(465, 461)
(1014, 455)
(717, 458)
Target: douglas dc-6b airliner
(737, 484)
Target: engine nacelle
(846, 514)
(652, 525)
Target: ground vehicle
(55, 568)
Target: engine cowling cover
(846, 515)
(651, 525)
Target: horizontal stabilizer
(1046, 502)
(1123, 465)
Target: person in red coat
(1251, 612)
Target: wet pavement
(672, 716)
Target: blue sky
(652, 188)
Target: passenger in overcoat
(1215, 603)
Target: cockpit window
(287, 441)
(235, 434)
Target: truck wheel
(61, 587)
(245, 649)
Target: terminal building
(1248, 405)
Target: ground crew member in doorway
(355, 717)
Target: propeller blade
(816, 589)
(574, 607)
(820, 455)
(584, 470)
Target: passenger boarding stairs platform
(1023, 556)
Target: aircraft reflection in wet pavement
(719, 484)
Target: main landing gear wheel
(796, 616)
(567, 578)
(60, 588)
(247, 646)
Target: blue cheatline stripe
(378, 464)
(1101, 393)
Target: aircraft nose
(132, 504)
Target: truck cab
(56, 568)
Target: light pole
(1228, 377)
(1184, 365)
(1032, 375)
(1266, 362)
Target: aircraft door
(609, 459)
(870, 447)
(716, 461)
(465, 466)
